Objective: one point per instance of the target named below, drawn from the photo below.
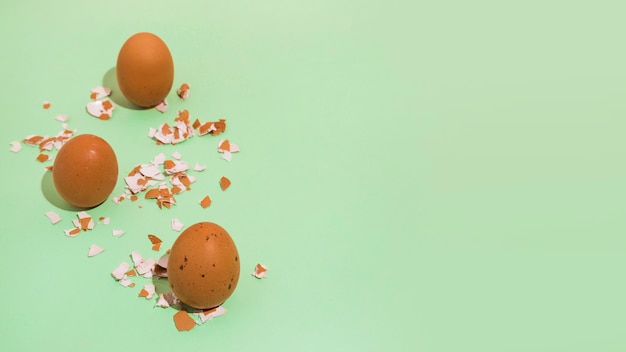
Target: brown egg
(145, 70)
(85, 171)
(203, 266)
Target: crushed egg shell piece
(214, 128)
(15, 146)
(227, 148)
(99, 93)
(199, 167)
(54, 217)
(126, 282)
(175, 166)
(119, 272)
(145, 267)
(162, 301)
(260, 271)
(147, 291)
(32, 140)
(102, 109)
(46, 105)
(205, 202)
(72, 232)
(136, 257)
(208, 314)
(85, 221)
(118, 233)
(179, 132)
(183, 321)
(42, 157)
(156, 242)
(183, 91)
(224, 183)
(162, 262)
(177, 225)
(61, 117)
(162, 106)
(94, 250)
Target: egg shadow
(110, 81)
(52, 196)
(162, 286)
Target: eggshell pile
(85, 171)
(145, 70)
(203, 267)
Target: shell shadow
(110, 81)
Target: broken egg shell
(203, 266)
(85, 171)
(145, 70)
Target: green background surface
(424, 176)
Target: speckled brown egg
(85, 171)
(145, 69)
(203, 266)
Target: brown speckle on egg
(211, 267)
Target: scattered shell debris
(179, 132)
(147, 291)
(46, 144)
(99, 93)
(162, 106)
(167, 300)
(199, 167)
(94, 250)
(205, 202)
(213, 128)
(186, 318)
(160, 269)
(84, 222)
(73, 232)
(156, 242)
(227, 148)
(224, 183)
(15, 146)
(160, 179)
(119, 272)
(260, 271)
(42, 157)
(183, 321)
(183, 91)
(153, 179)
(54, 217)
(177, 155)
(177, 225)
(208, 314)
(102, 109)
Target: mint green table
(416, 176)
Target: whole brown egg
(85, 170)
(203, 266)
(145, 69)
